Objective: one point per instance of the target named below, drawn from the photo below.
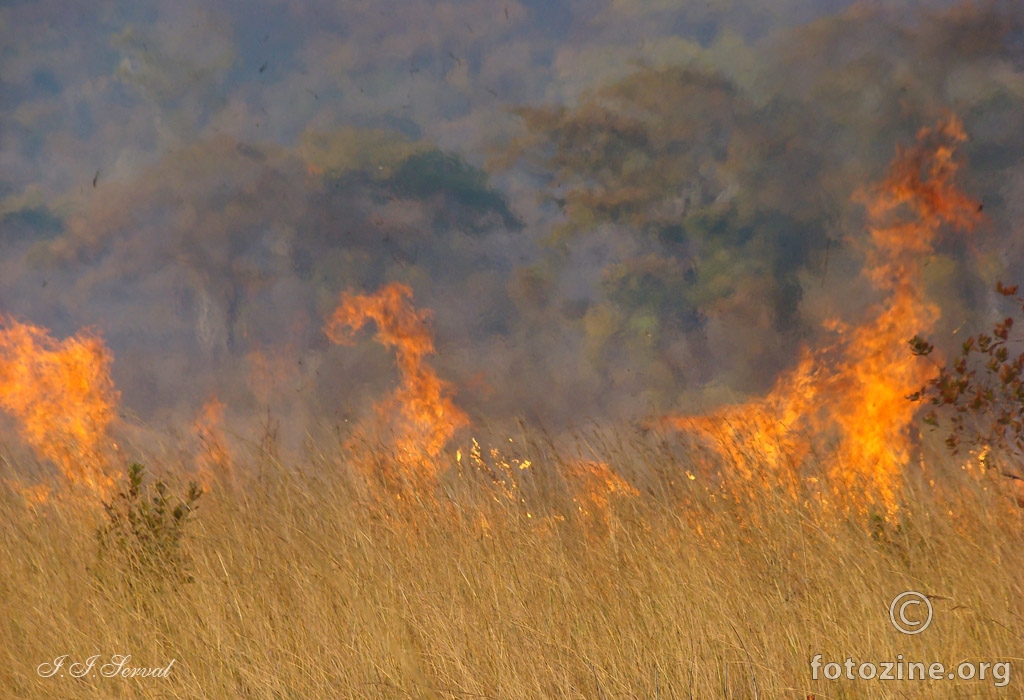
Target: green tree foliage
(399, 167)
(434, 173)
(637, 152)
(722, 196)
(374, 153)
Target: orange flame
(34, 495)
(426, 417)
(594, 486)
(214, 462)
(851, 395)
(63, 398)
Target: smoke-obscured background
(613, 207)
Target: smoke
(853, 392)
(612, 210)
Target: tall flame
(62, 396)
(851, 395)
(420, 411)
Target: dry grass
(310, 584)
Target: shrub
(146, 526)
(979, 394)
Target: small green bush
(146, 526)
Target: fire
(62, 396)
(420, 412)
(850, 396)
(766, 432)
(215, 460)
(34, 495)
(595, 486)
(499, 475)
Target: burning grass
(847, 399)
(63, 399)
(420, 414)
(396, 564)
(303, 587)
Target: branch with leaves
(979, 394)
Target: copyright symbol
(898, 612)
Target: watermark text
(903, 670)
(116, 666)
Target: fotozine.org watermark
(910, 613)
(901, 670)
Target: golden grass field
(713, 561)
(310, 581)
